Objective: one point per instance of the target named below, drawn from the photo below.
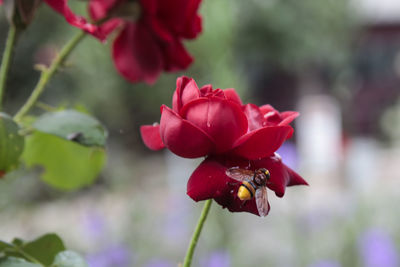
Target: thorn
(40, 67)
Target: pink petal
(186, 91)
(182, 137)
(136, 54)
(61, 6)
(221, 119)
(151, 136)
(254, 116)
(231, 94)
(262, 142)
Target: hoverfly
(254, 184)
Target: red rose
(214, 123)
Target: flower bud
(20, 12)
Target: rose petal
(61, 6)
(175, 56)
(281, 175)
(180, 17)
(234, 204)
(231, 94)
(151, 136)
(186, 91)
(262, 142)
(182, 137)
(267, 108)
(221, 119)
(288, 117)
(208, 181)
(294, 178)
(193, 25)
(99, 9)
(109, 26)
(136, 54)
(160, 29)
(205, 90)
(254, 116)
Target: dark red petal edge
(262, 142)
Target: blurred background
(335, 61)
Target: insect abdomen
(246, 191)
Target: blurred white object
(319, 134)
(362, 163)
(378, 11)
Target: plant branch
(47, 74)
(6, 60)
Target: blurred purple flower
(378, 249)
(217, 259)
(112, 256)
(288, 152)
(325, 263)
(175, 226)
(159, 263)
(94, 225)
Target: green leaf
(67, 165)
(4, 245)
(11, 143)
(45, 248)
(73, 125)
(17, 262)
(18, 242)
(69, 259)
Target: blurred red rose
(215, 123)
(150, 39)
(150, 34)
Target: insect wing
(262, 201)
(239, 174)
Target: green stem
(189, 254)
(6, 61)
(47, 74)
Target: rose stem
(48, 73)
(7, 58)
(189, 254)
